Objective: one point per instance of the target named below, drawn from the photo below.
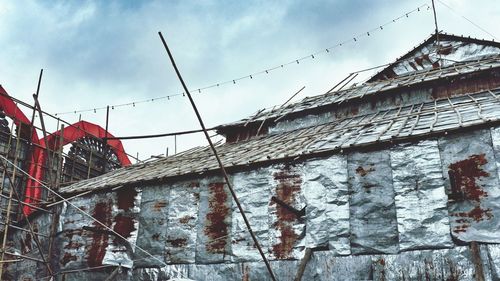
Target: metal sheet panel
(493, 252)
(81, 248)
(153, 225)
(327, 196)
(125, 223)
(446, 264)
(215, 272)
(170, 272)
(372, 209)
(256, 271)
(286, 229)
(326, 266)
(420, 199)
(472, 186)
(182, 222)
(214, 227)
(253, 189)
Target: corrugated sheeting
(373, 88)
(404, 122)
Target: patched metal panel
(472, 186)
(286, 228)
(84, 248)
(170, 272)
(257, 271)
(182, 222)
(253, 189)
(126, 224)
(215, 272)
(446, 264)
(420, 199)
(326, 266)
(372, 209)
(214, 227)
(327, 196)
(153, 225)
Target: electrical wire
(467, 19)
(262, 72)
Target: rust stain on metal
(464, 177)
(67, 258)
(160, 204)
(363, 171)
(466, 173)
(178, 243)
(126, 198)
(445, 50)
(124, 225)
(217, 227)
(156, 237)
(97, 250)
(73, 245)
(458, 87)
(185, 219)
(287, 189)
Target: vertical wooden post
(476, 259)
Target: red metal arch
(82, 129)
(10, 109)
(71, 133)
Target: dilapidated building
(393, 179)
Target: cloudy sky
(98, 53)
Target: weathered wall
(407, 211)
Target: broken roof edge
(431, 38)
(226, 128)
(109, 183)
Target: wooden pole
(219, 161)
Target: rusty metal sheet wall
(125, 213)
(421, 200)
(182, 222)
(152, 234)
(446, 264)
(493, 253)
(253, 189)
(286, 229)
(372, 209)
(325, 265)
(472, 186)
(214, 222)
(161, 273)
(327, 196)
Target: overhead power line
(296, 61)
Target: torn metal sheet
(327, 266)
(152, 225)
(372, 208)
(472, 186)
(253, 189)
(125, 222)
(286, 228)
(326, 193)
(181, 228)
(421, 201)
(214, 223)
(445, 264)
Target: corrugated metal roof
(372, 88)
(406, 121)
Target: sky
(98, 53)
